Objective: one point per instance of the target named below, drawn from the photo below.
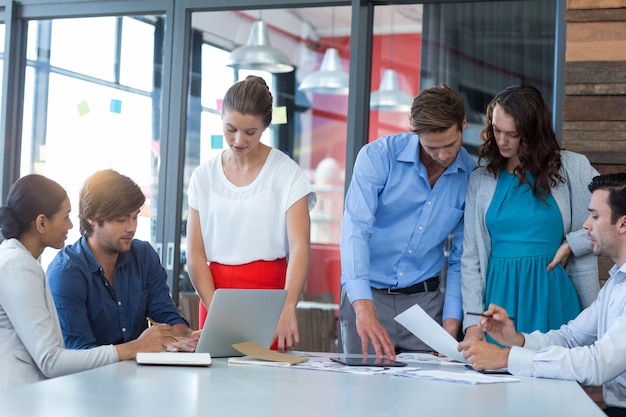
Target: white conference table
(128, 389)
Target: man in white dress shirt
(590, 349)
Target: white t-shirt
(245, 224)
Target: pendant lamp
(258, 54)
(389, 96)
(330, 78)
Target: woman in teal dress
(525, 234)
(524, 247)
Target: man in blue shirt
(107, 284)
(407, 195)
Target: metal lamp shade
(389, 97)
(330, 79)
(258, 54)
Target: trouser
(387, 307)
(615, 412)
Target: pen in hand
(470, 313)
(154, 323)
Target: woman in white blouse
(36, 215)
(249, 212)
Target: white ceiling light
(258, 54)
(330, 78)
(389, 96)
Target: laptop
(240, 315)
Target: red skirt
(268, 275)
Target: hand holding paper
(418, 322)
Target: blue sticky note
(217, 142)
(115, 106)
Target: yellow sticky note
(279, 115)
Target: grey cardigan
(31, 342)
(572, 198)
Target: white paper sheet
(418, 322)
(462, 377)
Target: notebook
(173, 358)
(240, 315)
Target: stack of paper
(462, 377)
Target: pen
(154, 323)
(482, 314)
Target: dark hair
(436, 109)
(106, 195)
(250, 96)
(539, 151)
(29, 197)
(615, 184)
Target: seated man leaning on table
(107, 284)
(591, 348)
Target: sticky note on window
(279, 115)
(115, 106)
(217, 142)
(83, 108)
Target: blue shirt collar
(411, 153)
(92, 262)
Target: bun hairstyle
(250, 96)
(29, 197)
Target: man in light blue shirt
(590, 349)
(407, 195)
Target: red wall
(330, 112)
(329, 130)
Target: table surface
(128, 389)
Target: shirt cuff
(358, 289)
(521, 361)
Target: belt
(431, 284)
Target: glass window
(85, 46)
(477, 48)
(137, 64)
(2, 31)
(308, 126)
(77, 121)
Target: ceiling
(329, 21)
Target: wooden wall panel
(596, 41)
(595, 4)
(594, 106)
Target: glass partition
(308, 126)
(477, 48)
(89, 105)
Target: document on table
(418, 322)
(469, 377)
